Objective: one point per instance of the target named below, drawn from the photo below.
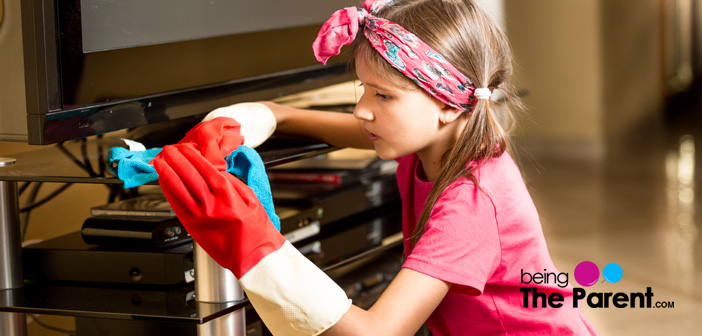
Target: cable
(46, 326)
(32, 197)
(101, 162)
(102, 166)
(112, 196)
(87, 166)
(86, 160)
(46, 199)
(32, 204)
(72, 157)
(23, 187)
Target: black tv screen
(97, 66)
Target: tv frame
(51, 41)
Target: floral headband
(402, 49)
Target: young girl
(430, 69)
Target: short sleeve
(460, 244)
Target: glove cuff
(292, 295)
(257, 121)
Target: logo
(586, 274)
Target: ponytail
(482, 139)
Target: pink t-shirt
(481, 243)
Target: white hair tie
(482, 93)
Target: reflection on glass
(681, 232)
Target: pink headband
(402, 49)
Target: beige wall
(634, 68)
(592, 68)
(13, 123)
(557, 49)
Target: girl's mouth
(372, 137)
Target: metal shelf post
(11, 324)
(216, 284)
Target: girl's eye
(382, 96)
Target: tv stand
(218, 308)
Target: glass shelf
(85, 161)
(148, 303)
(176, 304)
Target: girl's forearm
(334, 128)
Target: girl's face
(399, 121)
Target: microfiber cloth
(246, 164)
(134, 169)
(132, 166)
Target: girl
(472, 234)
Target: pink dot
(586, 273)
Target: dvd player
(69, 258)
(129, 230)
(304, 208)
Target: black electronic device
(297, 223)
(93, 67)
(334, 202)
(306, 208)
(134, 230)
(346, 238)
(149, 205)
(69, 258)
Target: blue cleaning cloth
(246, 164)
(132, 167)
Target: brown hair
(473, 43)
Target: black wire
(61, 330)
(102, 166)
(114, 191)
(71, 156)
(101, 162)
(87, 167)
(128, 193)
(23, 187)
(86, 161)
(32, 197)
(46, 199)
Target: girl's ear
(450, 114)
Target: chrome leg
(233, 323)
(10, 240)
(11, 324)
(213, 283)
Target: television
(94, 66)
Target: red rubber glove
(219, 211)
(291, 295)
(215, 139)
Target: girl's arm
(412, 296)
(401, 310)
(334, 128)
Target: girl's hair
(473, 43)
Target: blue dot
(612, 272)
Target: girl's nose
(362, 112)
